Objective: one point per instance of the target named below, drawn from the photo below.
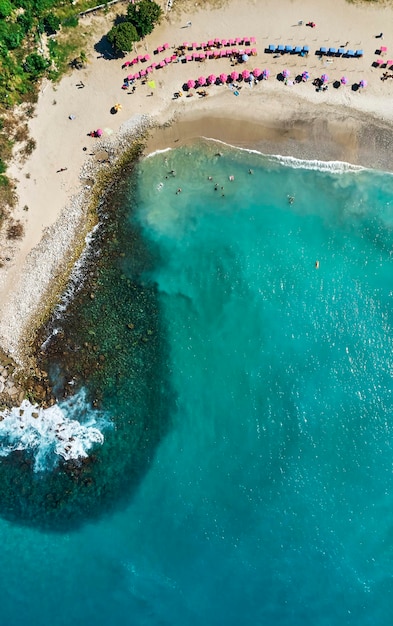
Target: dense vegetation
(140, 20)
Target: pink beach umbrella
(191, 84)
(389, 62)
(143, 72)
(147, 57)
(256, 72)
(210, 42)
(234, 75)
(223, 78)
(201, 81)
(344, 80)
(166, 46)
(286, 73)
(162, 64)
(130, 76)
(265, 74)
(324, 78)
(245, 74)
(188, 57)
(363, 83)
(99, 132)
(254, 52)
(224, 42)
(167, 60)
(149, 69)
(211, 79)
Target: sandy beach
(343, 123)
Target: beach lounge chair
(359, 53)
(298, 49)
(322, 50)
(306, 49)
(272, 47)
(341, 51)
(253, 40)
(288, 48)
(280, 48)
(332, 51)
(350, 53)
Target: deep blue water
(267, 496)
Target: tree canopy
(144, 15)
(122, 36)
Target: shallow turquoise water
(268, 497)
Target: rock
(21, 397)
(35, 414)
(131, 326)
(1, 386)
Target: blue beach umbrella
(363, 83)
(305, 76)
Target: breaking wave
(68, 430)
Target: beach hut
(234, 75)
(211, 79)
(223, 78)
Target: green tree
(35, 65)
(144, 15)
(5, 8)
(123, 36)
(51, 24)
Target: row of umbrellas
(257, 73)
(223, 78)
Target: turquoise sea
(228, 350)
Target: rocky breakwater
(17, 385)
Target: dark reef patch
(112, 344)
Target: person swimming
(291, 199)
(317, 264)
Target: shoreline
(356, 139)
(270, 118)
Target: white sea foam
(161, 151)
(68, 430)
(336, 167)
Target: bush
(5, 8)
(144, 15)
(51, 24)
(15, 231)
(123, 36)
(35, 65)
